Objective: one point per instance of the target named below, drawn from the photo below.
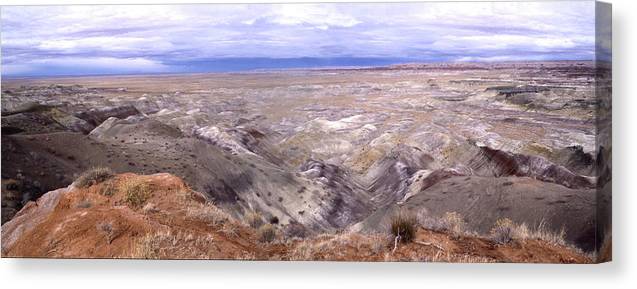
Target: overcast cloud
(158, 39)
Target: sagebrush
(93, 176)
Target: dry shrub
(266, 233)
(108, 188)
(454, 223)
(254, 220)
(229, 229)
(170, 245)
(207, 214)
(451, 222)
(377, 242)
(431, 223)
(542, 232)
(136, 191)
(93, 176)
(503, 231)
(107, 230)
(147, 247)
(404, 225)
(328, 246)
(304, 251)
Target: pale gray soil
(330, 149)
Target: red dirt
(83, 223)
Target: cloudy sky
(77, 40)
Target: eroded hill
(329, 150)
(158, 216)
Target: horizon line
(284, 69)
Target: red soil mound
(158, 216)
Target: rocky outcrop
(389, 178)
(36, 118)
(493, 162)
(96, 116)
(345, 202)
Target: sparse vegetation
(403, 226)
(254, 220)
(108, 188)
(454, 223)
(208, 232)
(451, 222)
(93, 176)
(503, 231)
(208, 214)
(305, 250)
(163, 244)
(266, 233)
(107, 230)
(136, 191)
(542, 232)
(148, 247)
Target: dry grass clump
(93, 176)
(504, 231)
(403, 226)
(136, 191)
(266, 233)
(366, 247)
(377, 243)
(304, 251)
(170, 245)
(543, 232)
(254, 220)
(451, 222)
(454, 223)
(108, 188)
(211, 215)
(147, 247)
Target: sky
(129, 39)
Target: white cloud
(174, 33)
(317, 15)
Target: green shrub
(93, 176)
